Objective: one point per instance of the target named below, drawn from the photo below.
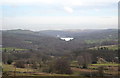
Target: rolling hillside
(47, 41)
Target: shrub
(9, 61)
(20, 64)
(85, 66)
(34, 65)
(47, 70)
(62, 66)
(89, 74)
(101, 71)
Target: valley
(60, 53)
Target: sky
(58, 14)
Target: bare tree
(84, 59)
(20, 64)
(80, 60)
(101, 71)
(62, 66)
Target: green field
(110, 47)
(76, 71)
(12, 48)
(34, 72)
(107, 64)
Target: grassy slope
(107, 64)
(7, 68)
(110, 47)
(12, 48)
(12, 68)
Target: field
(26, 71)
(12, 48)
(110, 47)
(110, 69)
(30, 53)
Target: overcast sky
(58, 14)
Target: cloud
(59, 2)
(71, 2)
(97, 10)
(26, 2)
(68, 9)
(52, 13)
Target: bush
(34, 65)
(20, 64)
(9, 61)
(5, 74)
(85, 66)
(47, 70)
(94, 62)
(62, 66)
(88, 74)
(101, 71)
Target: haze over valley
(59, 38)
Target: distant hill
(77, 32)
(19, 31)
(47, 41)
